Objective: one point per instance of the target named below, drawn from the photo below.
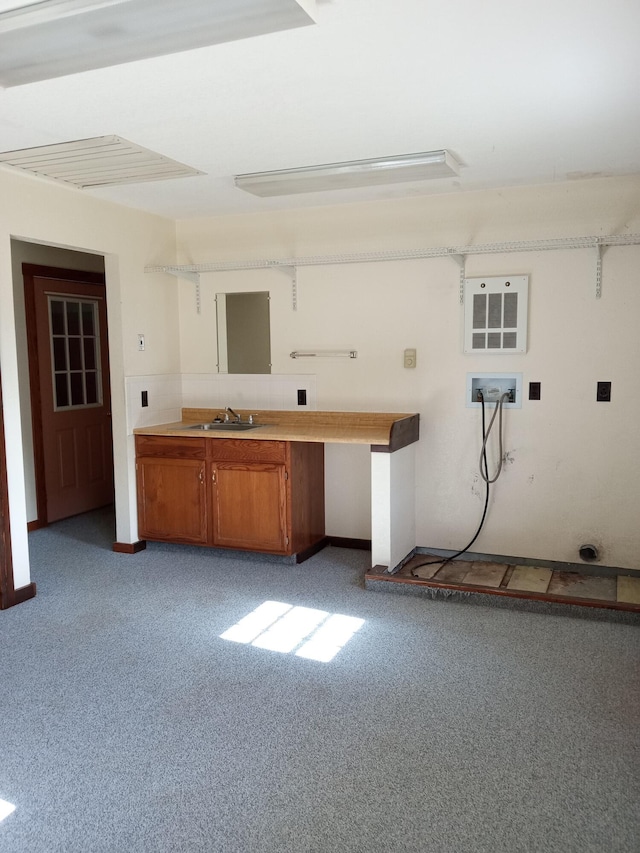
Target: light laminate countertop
(384, 431)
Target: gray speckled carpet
(127, 723)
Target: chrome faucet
(229, 410)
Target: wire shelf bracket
(461, 261)
(292, 274)
(187, 275)
(600, 250)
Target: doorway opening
(66, 399)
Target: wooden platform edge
(505, 593)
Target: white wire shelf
(562, 243)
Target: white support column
(13, 449)
(393, 520)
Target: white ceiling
(519, 92)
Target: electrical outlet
(302, 397)
(534, 390)
(604, 392)
(144, 399)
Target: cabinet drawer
(246, 450)
(170, 446)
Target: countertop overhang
(385, 432)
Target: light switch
(140, 342)
(409, 358)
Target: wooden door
(172, 503)
(249, 506)
(69, 366)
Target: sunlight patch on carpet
(6, 809)
(308, 633)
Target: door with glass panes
(75, 403)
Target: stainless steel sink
(230, 426)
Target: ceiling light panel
(98, 162)
(354, 173)
(54, 38)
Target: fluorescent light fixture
(353, 173)
(16, 16)
(52, 38)
(97, 162)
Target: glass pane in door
(75, 352)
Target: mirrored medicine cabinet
(244, 333)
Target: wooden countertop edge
(384, 431)
(403, 432)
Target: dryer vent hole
(588, 553)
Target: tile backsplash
(168, 394)
(164, 396)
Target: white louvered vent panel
(495, 314)
(96, 162)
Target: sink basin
(230, 426)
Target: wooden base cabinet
(231, 493)
(250, 506)
(171, 481)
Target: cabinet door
(249, 506)
(172, 501)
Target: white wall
(574, 474)
(44, 212)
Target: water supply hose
(484, 473)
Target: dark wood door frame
(9, 595)
(29, 273)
